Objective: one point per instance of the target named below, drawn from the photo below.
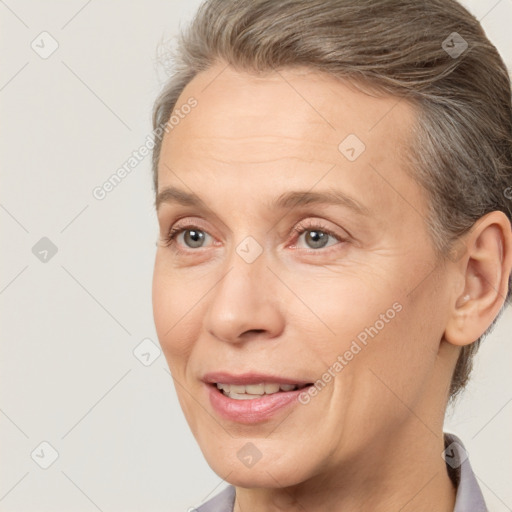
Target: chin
(265, 473)
(264, 477)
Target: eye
(316, 235)
(193, 237)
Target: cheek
(401, 358)
(172, 312)
(348, 302)
(376, 326)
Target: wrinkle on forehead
(300, 109)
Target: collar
(469, 496)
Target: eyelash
(302, 227)
(298, 229)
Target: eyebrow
(287, 200)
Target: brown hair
(462, 150)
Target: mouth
(253, 402)
(255, 391)
(252, 397)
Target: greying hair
(461, 152)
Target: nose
(244, 303)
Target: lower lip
(254, 410)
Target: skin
(372, 439)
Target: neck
(404, 473)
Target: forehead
(292, 124)
(300, 108)
(263, 104)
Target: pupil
(195, 237)
(318, 238)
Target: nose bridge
(250, 250)
(242, 285)
(246, 264)
(241, 299)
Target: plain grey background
(72, 320)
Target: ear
(484, 266)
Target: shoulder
(221, 502)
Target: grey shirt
(469, 497)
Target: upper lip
(249, 378)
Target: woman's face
(267, 288)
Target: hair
(461, 149)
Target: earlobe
(486, 268)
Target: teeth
(252, 391)
(237, 389)
(242, 396)
(271, 388)
(287, 387)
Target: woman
(330, 183)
